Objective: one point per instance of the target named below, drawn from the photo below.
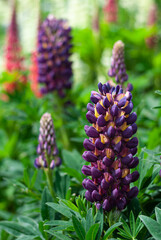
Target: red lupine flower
(13, 58)
(110, 11)
(152, 19)
(34, 75)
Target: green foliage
(131, 230)
(27, 209)
(154, 227)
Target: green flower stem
(59, 107)
(112, 217)
(48, 173)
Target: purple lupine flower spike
(111, 148)
(54, 66)
(118, 69)
(47, 148)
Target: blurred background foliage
(92, 49)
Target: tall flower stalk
(152, 19)
(54, 66)
(111, 147)
(13, 58)
(111, 11)
(34, 75)
(47, 149)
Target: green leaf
(81, 206)
(26, 178)
(70, 205)
(158, 215)
(58, 222)
(111, 229)
(46, 212)
(89, 219)
(61, 209)
(15, 229)
(123, 234)
(63, 183)
(24, 237)
(153, 227)
(29, 222)
(91, 234)
(158, 92)
(79, 229)
(139, 226)
(132, 223)
(58, 235)
(126, 228)
(33, 179)
(73, 173)
(72, 159)
(99, 218)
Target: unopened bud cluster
(118, 69)
(111, 148)
(47, 148)
(54, 66)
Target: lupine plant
(73, 165)
(47, 149)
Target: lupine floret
(111, 148)
(47, 148)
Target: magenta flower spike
(111, 11)
(47, 148)
(152, 19)
(110, 148)
(54, 66)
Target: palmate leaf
(79, 229)
(131, 231)
(123, 234)
(126, 228)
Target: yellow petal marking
(96, 113)
(123, 126)
(125, 172)
(117, 139)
